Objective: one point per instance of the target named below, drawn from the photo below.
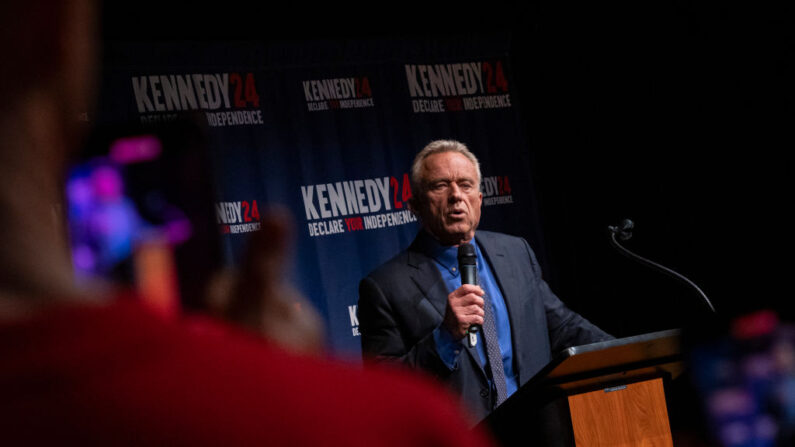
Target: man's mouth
(456, 214)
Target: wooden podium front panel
(630, 415)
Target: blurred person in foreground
(87, 367)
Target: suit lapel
(507, 277)
(426, 276)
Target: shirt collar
(446, 256)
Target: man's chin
(453, 237)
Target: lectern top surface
(654, 347)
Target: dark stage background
(675, 115)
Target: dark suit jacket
(404, 300)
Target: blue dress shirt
(449, 350)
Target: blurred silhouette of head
(46, 89)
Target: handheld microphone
(468, 267)
(623, 231)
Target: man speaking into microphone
(484, 337)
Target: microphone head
(623, 230)
(466, 255)
(626, 225)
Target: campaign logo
(237, 217)
(227, 99)
(357, 205)
(496, 190)
(353, 313)
(338, 93)
(457, 87)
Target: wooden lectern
(604, 394)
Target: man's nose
(456, 193)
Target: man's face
(449, 206)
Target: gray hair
(436, 147)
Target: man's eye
(439, 185)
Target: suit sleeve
(384, 341)
(566, 327)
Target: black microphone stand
(624, 232)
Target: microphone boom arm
(656, 266)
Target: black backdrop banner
(328, 130)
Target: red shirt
(120, 374)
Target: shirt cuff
(449, 349)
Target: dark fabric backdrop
(675, 114)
